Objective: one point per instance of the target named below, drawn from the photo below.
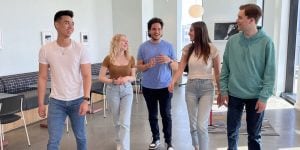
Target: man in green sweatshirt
(247, 77)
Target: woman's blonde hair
(115, 46)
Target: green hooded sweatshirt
(248, 70)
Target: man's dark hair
(60, 13)
(252, 11)
(152, 21)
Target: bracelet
(86, 98)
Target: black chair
(137, 85)
(9, 107)
(98, 88)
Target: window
(186, 21)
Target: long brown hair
(200, 44)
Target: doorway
(293, 54)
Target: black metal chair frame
(137, 84)
(98, 88)
(9, 107)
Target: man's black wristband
(86, 98)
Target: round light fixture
(196, 10)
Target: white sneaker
(118, 147)
(196, 147)
(170, 147)
(154, 144)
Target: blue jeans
(253, 119)
(119, 98)
(163, 97)
(57, 112)
(199, 94)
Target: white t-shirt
(66, 80)
(198, 69)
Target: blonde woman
(119, 92)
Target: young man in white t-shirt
(70, 71)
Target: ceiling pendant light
(196, 11)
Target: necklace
(62, 51)
(64, 47)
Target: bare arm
(42, 84)
(178, 73)
(123, 80)
(216, 63)
(87, 79)
(103, 78)
(87, 82)
(174, 65)
(145, 66)
(132, 77)
(164, 59)
(181, 66)
(102, 75)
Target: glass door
(297, 55)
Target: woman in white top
(200, 56)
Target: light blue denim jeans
(57, 112)
(119, 98)
(199, 98)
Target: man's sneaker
(169, 147)
(118, 147)
(154, 144)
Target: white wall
(131, 17)
(179, 30)
(167, 11)
(127, 19)
(276, 25)
(225, 11)
(22, 22)
(147, 14)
